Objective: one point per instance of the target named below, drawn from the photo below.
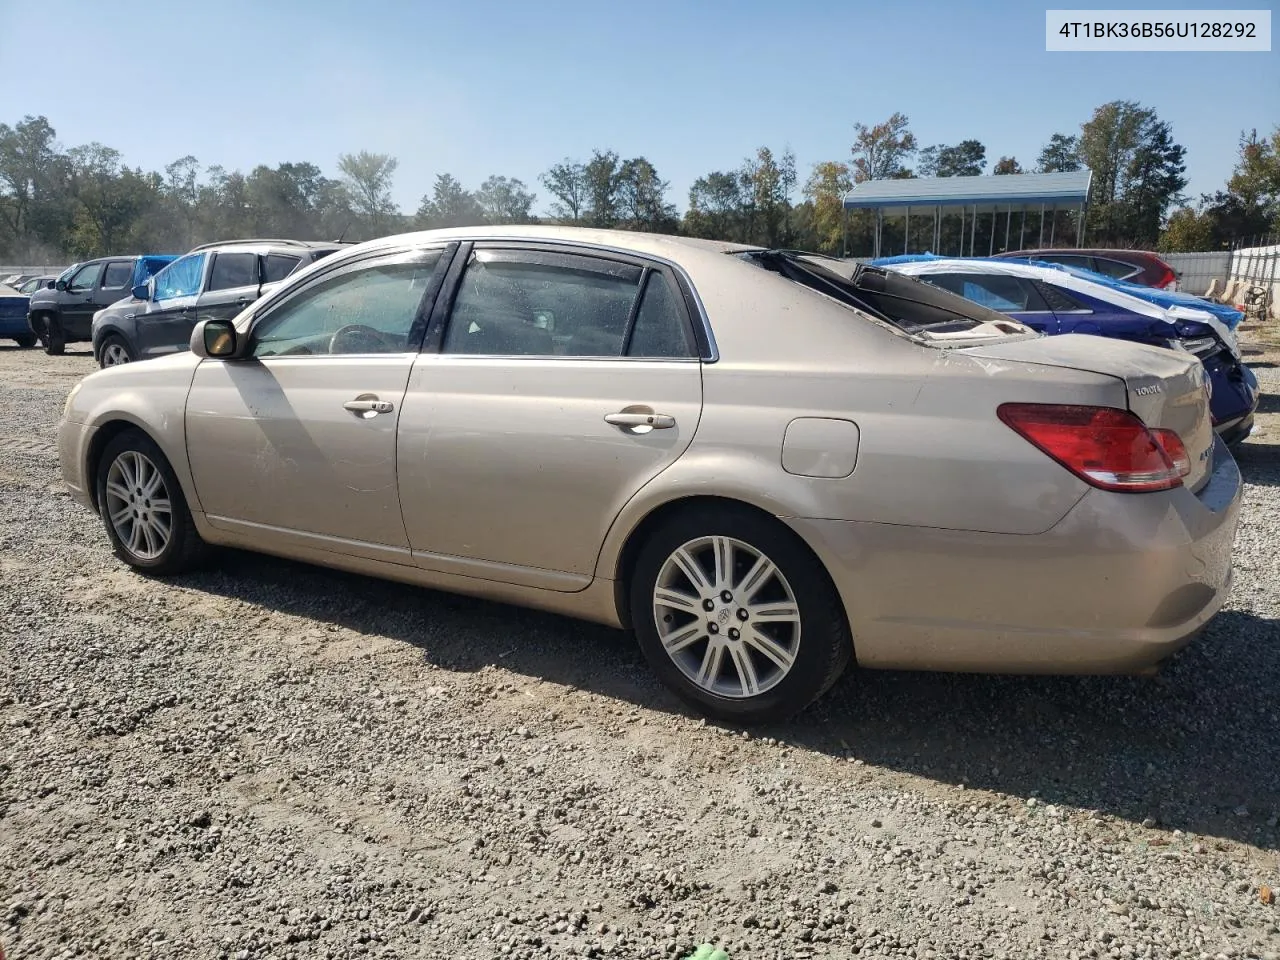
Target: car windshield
(900, 301)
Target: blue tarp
(1162, 298)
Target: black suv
(63, 313)
(214, 280)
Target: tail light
(1105, 447)
(1168, 280)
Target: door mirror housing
(60, 284)
(214, 339)
(141, 291)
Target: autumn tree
(881, 152)
(1006, 165)
(825, 191)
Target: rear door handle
(369, 408)
(659, 421)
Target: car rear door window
(86, 278)
(542, 305)
(117, 275)
(277, 266)
(370, 309)
(1059, 300)
(659, 329)
(233, 270)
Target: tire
(767, 669)
(26, 340)
(129, 464)
(55, 339)
(114, 351)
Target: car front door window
(371, 309)
(84, 279)
(181, 278)
(118, 275)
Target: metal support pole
(906, 230)
(973, 228)
(1041, 243)
(991, 247)
(1007, 218)
(844, 241)
(937, 228)
(1022, 229)
(1080, 226)
(962, 230)
(1053, 224)
(879, 228)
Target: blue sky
(502, 87)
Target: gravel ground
(271, 760)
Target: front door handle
(366, 407)
(659, 421)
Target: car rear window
(1116, 269)
(277, 266)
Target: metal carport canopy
(988, 193)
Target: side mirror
(141, 292)
(60, 284)
(214, 339)
(51, 284)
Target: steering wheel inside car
(359, 338)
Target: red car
(1132, 266)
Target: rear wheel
(737, 616)
(55, 339)
(114, 351)
(143, 509)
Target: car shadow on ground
(1193, 748)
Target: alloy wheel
(727, 617)
(138, 505)
(114, 354)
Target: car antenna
(343, 234)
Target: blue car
(13, 317)
(1055, 299)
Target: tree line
(59, 204)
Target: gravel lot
(271, 760)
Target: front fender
(151, 397)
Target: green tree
(449, 205)
(1137, 171)
(567, 182)
(109, 199)
(716, 207)
(642, 198)
(965, 159)
(505, 200)
(35, 205)
(881, 151)
(1059, 155)
(1188, 230)
(602, 173)
(368, 178)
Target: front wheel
(114, 351)
(55, 338)
(143, 508)
(737, 616)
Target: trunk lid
(1164, 388)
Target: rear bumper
(1122, 582)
